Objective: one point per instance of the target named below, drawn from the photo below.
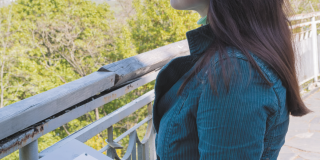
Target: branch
(65, 129)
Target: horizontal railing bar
(19, 141)
(98, 126)
(306, 80)
(304, 16)
(25, 113)
(136, 66)
(304, 24)
(127, 132)
(16, 117)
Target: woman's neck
(203, 11)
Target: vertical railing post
(315, 48)
(134, 151)
(29, 152)
(149, 147)
(110, 152)
(140, 151)
(145, 152)
(151, 142)
(152, 148)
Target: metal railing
(307, 47)
(22, 123)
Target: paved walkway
(303, 137)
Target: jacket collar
(199, 39)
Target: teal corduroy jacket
(247, 123)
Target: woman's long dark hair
(261, 27)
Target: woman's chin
(176, 5)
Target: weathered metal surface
(20, 115)
(143, 63)
(98, 126)
(21, 141)
(29, 152)
(16, 142)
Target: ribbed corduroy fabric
(169, 98)
(247, 123)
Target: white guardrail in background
(23, 122)
(307, 46)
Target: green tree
(10, 51)
(305, 6)
(45, 44)
(156, 24)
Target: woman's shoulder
(236, 55)
(245, 78)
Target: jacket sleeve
(232, 125)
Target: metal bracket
(114, 145)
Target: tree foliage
(45, 44)
(305, 6)
(156, 24)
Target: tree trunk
(97, 113)
(1, 83)
(65, 129)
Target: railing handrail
(17, 122)
(304, 16)
(107, 77)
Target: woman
(232, 96)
